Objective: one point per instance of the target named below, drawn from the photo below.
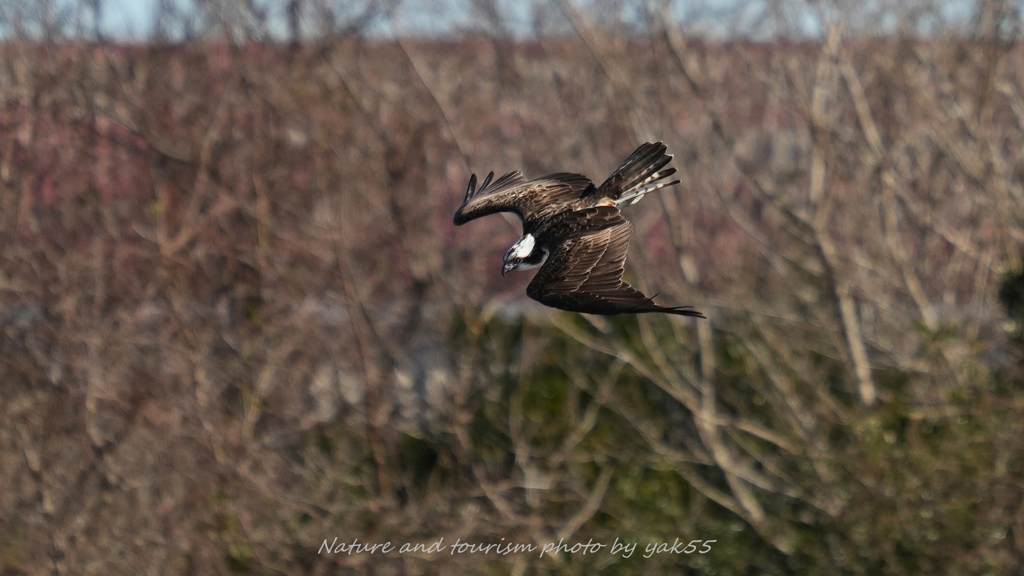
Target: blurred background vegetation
(235, 318)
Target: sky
(132, 20)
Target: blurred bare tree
(235, 319)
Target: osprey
(573, 231)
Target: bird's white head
(521, 256)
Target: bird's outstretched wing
(580, 184)
(528, 199)
(584, 271)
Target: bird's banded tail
(643, 172)
(653, 183)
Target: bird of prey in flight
(574, 232)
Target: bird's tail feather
(643, 172)
(653, 183)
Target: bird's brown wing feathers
(584, 273)
(579, 183)
(529, 199)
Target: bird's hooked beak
(508, 267)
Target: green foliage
(911, 489)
